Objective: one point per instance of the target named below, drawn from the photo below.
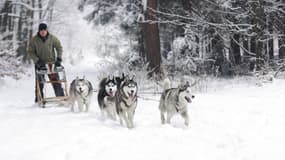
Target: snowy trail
(240, 123)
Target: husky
(126, 101)
(174, 101)
(81, 90)
(106, 96)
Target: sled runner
(44, 77)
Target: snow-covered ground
(229, 120)
(237, 122)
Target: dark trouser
(58, 90)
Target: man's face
(43, 32)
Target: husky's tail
(102, 83)
(165, 84)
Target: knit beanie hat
(42, 26)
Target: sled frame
(42, 100)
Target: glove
(58, 61)
(40, 65)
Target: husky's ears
(133, 77)
(183, 87)
(127, 78)
(187, 84)
(83, 77)
(110, 78)
(77, 78)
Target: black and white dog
(126, 101)
(174, 101)
(106, 95)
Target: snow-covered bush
(11, 65)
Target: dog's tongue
(111, 94)
(188, 99)
(131, 95)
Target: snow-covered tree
(121, 37)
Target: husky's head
(185, 93)
(82, 85)
(111, 86)
(120, 79)
(129, 87)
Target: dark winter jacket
(44, 48)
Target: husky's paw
(186, 124)
(130, 126)
(162, 121)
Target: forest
(182, 37)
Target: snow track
(235, 123)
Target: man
(43, 49)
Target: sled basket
(42, 79)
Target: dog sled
(42, 79)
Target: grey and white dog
(126, 101)
(107, 95)
(174, 101)
(80, 91)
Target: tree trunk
(281, 47)
(235, 49)
(141, 45)
(259, 20)
(5, 12)
(270, 48)
(20, 25)
(281, 39)
(259, 54)
(40, 7)
(151, 38)
(31, 25)
(16, 11)
(245, 45)
(270, 43)
(10, 21)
